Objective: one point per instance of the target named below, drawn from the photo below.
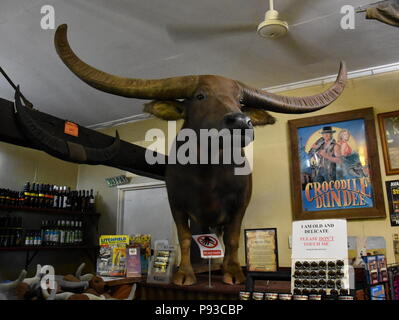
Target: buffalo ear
(259, 117)
(166, 110)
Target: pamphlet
(133, 263)
(371, 269)
(143, 242)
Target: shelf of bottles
(53, 233)
(48, 198)
(44, 198)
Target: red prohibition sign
(208, 241)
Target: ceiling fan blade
(299, 50)
(197, 32)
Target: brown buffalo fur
(173, 110)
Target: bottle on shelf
(55, 197)
(91, 202)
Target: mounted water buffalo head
(204, 101)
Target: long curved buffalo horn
(285, 104)
(66, 150)
(161, 89)
(79, 270)
(71, 285)
(36, 278)
(85, 277)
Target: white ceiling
(164, 38)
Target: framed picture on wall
(261, 252)
(335, 172)
(392, 188)
(389, 132)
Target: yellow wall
(271, 200)
(19, 165)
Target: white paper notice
(320, 239)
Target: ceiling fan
(272, 27)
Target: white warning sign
(209, 245)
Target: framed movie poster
(261, 250)
(389, 132)
(335, 171)
(393, 201)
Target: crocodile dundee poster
(334, 166)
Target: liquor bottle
(60, 198)
(72, 239)
(18, 238)
(62, 233)
(40, 196)
(68, 204)
(35, 238)
(80, 232)
(58, 233)
(7, 197)
(29, 238)
(47, 233)
(21, 199)
(44, 226)
(51, 234)
(64, 198)
(76, 242)
(50, 196)
(32, 195)
(83, 202)
(26, 242)
(40, 239)
(76, 201)
(73, 201)
(55, 195)
(42, 231)
(45, 195)
(27, 194)
(67, 233)
(79, 200)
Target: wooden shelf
(36, 248)
(48, 210)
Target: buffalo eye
(200, 96)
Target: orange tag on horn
(71, 128)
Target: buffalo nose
(238, 121)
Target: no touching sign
(209, 246)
